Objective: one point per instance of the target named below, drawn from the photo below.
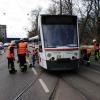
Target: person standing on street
(33, 56)
(10, 57)
(96, 49)
(21, 51)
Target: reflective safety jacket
(21, 48)
(89, 50)
(9, 53)
(96, 46)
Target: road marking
(44, 85)
(93, 70)
(35, 72)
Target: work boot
(30, 65)
(88, 63)
(23, 69)
(12, 70)
(96, 59)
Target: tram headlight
(52, 58)
(49, 55)
(73, 57)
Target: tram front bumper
(63, 64)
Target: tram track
(53, 93)
(76, 89)
(81, 89)
(88, 79)
(55, 88)
(28, 86)
(95, 66)
(82, 92)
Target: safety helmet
(94, 40)
(21, 39)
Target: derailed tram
(59, 42)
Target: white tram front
(59, 42)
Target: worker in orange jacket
(10, 57)
(21, 51)
(86, 54)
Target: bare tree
(67, 7)
(97, 15)
(34, 15)
(91, 21)
(86, 19)
(88, 12)
(62, 6)
(52, 9)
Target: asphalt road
(39, 84)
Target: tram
(59, 42)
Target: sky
(14, 14)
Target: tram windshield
(60, 35)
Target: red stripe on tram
(61, 49)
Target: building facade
(3, 32)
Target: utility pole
(60, 7)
